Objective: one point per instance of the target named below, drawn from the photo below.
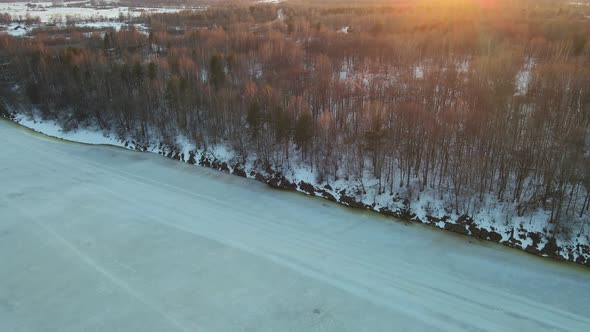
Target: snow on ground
(419, 72)
(343, 30)
(105, 239)
(523, 78)
(101, 25)
(50, 128)
(86, 17)
(21, 29)
(17, 29)
(48, 13)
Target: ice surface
(96, 238)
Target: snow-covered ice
(97, 238)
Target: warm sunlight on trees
(471, 99)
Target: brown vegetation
(468, 99)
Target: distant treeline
(465, 99)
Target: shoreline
(542, 246)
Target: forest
(469, 101)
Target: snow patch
(344, 30)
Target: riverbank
(532, 237)
(104, 239)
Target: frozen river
(96, 238)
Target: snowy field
(48, 13)
(85, 17)
(97, 238)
